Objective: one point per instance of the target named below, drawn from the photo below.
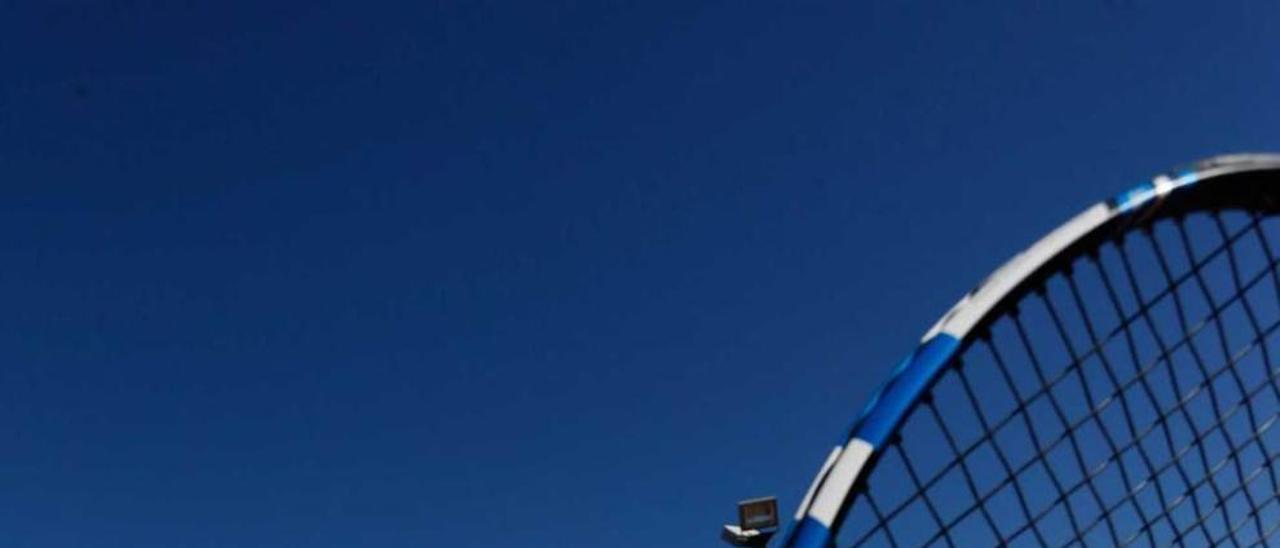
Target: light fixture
(757, 522)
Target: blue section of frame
(811, 533)
(881, 416)
(1134, 197)
(903, 389)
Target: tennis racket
(1114, 384)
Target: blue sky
(556, 274)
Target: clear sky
(474, 274)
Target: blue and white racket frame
(1231, 181)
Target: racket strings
(1156, 426)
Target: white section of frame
(808, 495)
(836, 488)
(961, 318)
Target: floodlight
(757, 522)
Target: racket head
(1071, 307)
